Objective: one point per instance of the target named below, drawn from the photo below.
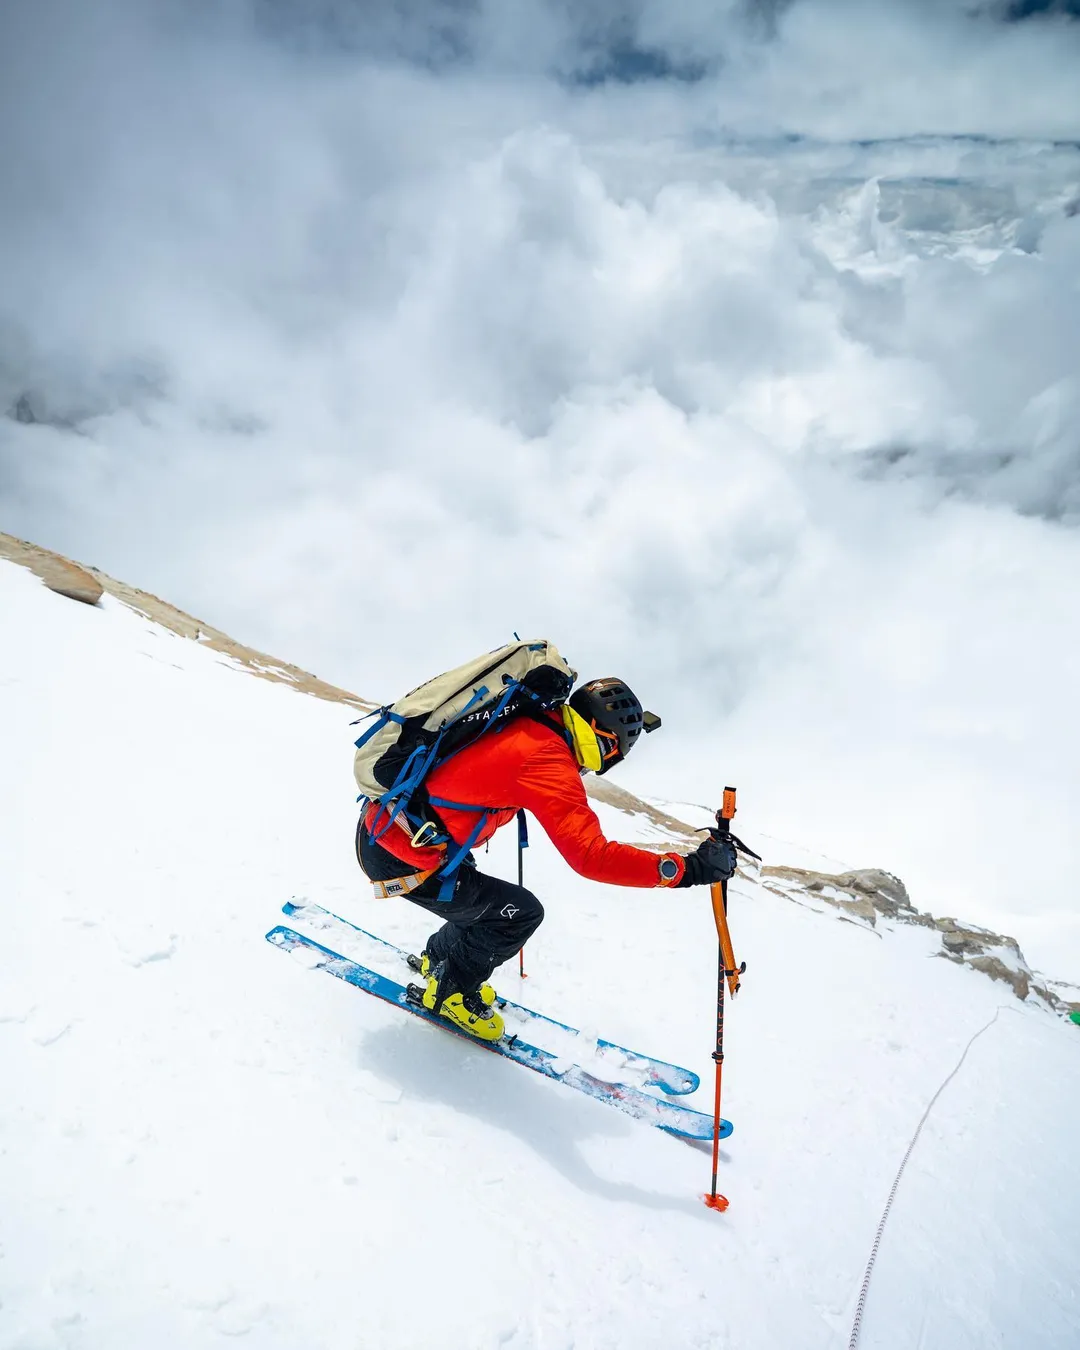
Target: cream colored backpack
(412, 736)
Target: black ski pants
(485, 922)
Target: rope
(892, 1194)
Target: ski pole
(523, 844)
(727, 970)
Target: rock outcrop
(58, 573)
(869, 894)
(89, 584)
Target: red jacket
(527, 765)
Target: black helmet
(614, 713)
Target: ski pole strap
(728, 968)
(401, 885)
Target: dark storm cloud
(1026, 9)
(591, 41)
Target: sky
(732, 347)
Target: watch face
(669, 869)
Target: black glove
(714, 860)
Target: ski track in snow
(201, 1144)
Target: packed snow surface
(201, 1140)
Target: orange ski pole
(727, 970)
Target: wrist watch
(669, 870)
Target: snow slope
(202, 1141)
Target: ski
(626, 1066)
(672, 1117)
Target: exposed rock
(859, 909)
(977, 947)
(1061, 994)
(997, 970)
(67, 579)
(995, 954)
(864, 893)
(39, 560)
(889, 894)
(976, 936)
(869, 892)
(58, 573)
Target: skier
(535, 763)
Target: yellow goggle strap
(586, 745)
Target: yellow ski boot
(486, 991)
(470, 1012)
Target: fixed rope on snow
(860, 1308)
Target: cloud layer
(736, 353)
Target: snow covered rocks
(863, 894)
(995, 955)
(867, 894)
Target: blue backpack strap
(458, 806)
(384, 715)
(523, 829)
(448, 871)
(512, 686)
(419, 763)
(478, 694)
(412, 774)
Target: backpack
(424, 729)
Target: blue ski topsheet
(614, 1062)
(671, 1117)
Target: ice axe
(727, 971)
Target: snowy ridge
(200, 1141)
(44, 563)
